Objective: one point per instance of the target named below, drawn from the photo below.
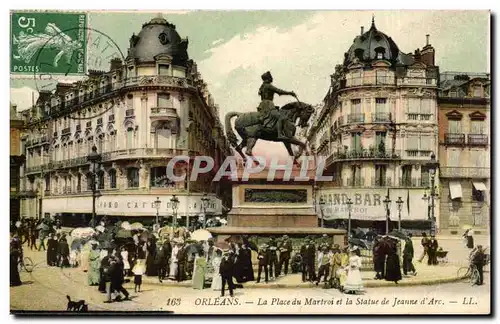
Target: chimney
(362, 30)
(428, 55)
(427, 39)
(116, 63)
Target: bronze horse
(250, 127)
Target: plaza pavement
(46, 289)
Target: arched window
(112, 178)
(130, 138)
(100, 143)
(100, 179)
(133, 177)
(162, 139)
(89, 181)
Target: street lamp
(175, 204)
(432, 166)
(387, 205)
(321, 206)
(94, 159)
(204, 202)
(349, 209)
(399, 203)
(157, 203)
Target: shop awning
(480, 186)
(455, 190)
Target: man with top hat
(308, 251)
(285, 251)
(263, 258)
(269, 112)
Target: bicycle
(26, 264)
(471, 273)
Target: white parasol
(82, 232)
(126, 225)
(201, 235)
(100, 228)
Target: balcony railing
(418, 153)
(141, 152)
(384, 182)
(477, 139)
(369, 81)
(356, 118)
(412, 182)
(419, 116)
(163, 112)
(107, 89)
(464, 172)
(367, 154)
(412, 81)
(381, 117)
(454, 139)
(355, 182)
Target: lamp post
(204, 202)
(399, 203)
(157, 203)
(94, 159)
(321, 206)
(387, 205)
(349, 209)
(175, 204)
(432, 166)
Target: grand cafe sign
(131, 205)
(368, 204)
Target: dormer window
(359, 53)
(380, 53)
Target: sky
(300, 48)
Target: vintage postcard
(250, 162)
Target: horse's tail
(231, 136)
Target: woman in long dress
(341, 272)
(84, 257)
(151, 269)
(126, 263)
(174, 262)
(217, 279)
(392, 264)
(95, 264)
(200, 266)
(354, 283)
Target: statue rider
(268, 110)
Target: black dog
(78, 306)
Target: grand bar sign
(368, 204)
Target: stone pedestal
(272, 205)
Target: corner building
(139, 115)
(377, 130)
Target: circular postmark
(61, 55)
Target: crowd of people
(110, 260)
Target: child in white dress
(354, 283)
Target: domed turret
(158, 37)
(372, 45)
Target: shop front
(368, 210)
(77, 211)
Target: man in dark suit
(263, 258)
(285, 252)
(308, 252)
(408, 256)
(431, 251)
(273, 259)
(226, 272)
(181, 263)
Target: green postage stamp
(48, 42)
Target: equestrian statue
(269, 122)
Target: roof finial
(373, 21)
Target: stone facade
(139, 115)
(464, 151)
(378, 124)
